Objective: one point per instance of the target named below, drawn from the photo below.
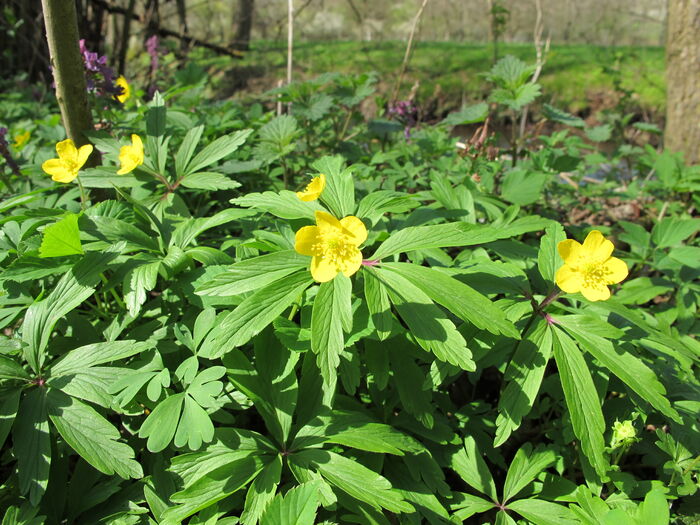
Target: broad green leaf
(189, 229)
(654, 509)
(354, 479)
(91, 436)
(467, 505)
(409, 379)
(378, 304)
(186, 150)
(339, 193)
(424, 237)
(427, 323)
(510, 72)
(524, 468)
(161, 424)
(86, 356)
(599, 133)
(112, 229)
(10, 369)
(30, 268)
(377, 203)
(671, 231)
(212, 487)
(31, 444)
(471, 467)
(327, 340)
(522, 380)
(543, 512)
(9, 405)
(548, 259)
(460, 299)
(138, 281)
(254, 314)
(61, 238)
(262, 491)
(217, 150)
(467, 115)
(194, 427)
(561, 116)
(298, 507)
(284, 204)
(208, 180)
(581, 400)
(522, 186)
(630, 369)
(373, 437)
(70, 291)
(251, 274)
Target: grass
(574, 77)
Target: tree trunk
(245, 23)
(683, 79)
(71, 91)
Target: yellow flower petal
(597, 293)
(326, 222)
(569, 280)
(596, 247)
(616, 270)
(131, 155)
(58, 171)
(355, 229)
(83, 154)
(126, 89)
(137, 142)
(305, 239)
(313, 189)
(323, 270)
(67, 151)
(570, 251)
(353, 264)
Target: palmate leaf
(524, 468)
(429, 326)
(353, 478)
(217, 150)
(254, 314)
(339, 193)
(91, 436)
(468, 463)
(297, 507)
(581, 400)
(522, 380)
(262, 491)
(543, 512)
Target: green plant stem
(114, 294)
(83, 200)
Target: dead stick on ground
(407, 55)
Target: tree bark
(241, 40)
(71, 91)
(683, 79)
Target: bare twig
(407, 54)
(290, 38)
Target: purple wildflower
(152, 50)
(100, 77)
(406, 112)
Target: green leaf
(91, 436)
(378, 304)
(427, 323)
(298, 507)
(262, 491)
(562, 117)
(424, 237)
(630, 369)
(251, 274)
(8, 412)
(339, 193)
(61, 238)
(208, 180)
(31, 444)
(543, 512)
(213, 487)
(285, 204)
(161, 424)
(409, 379)
(354, 479)
(548, 259)
(70, 291)
(217, 150)
(184, 154)
(516, 98)
(671, 232)
(31, 268)
(467, 115)
(471, 467)
(581, 400)
(522, 186)
(372, 437)
(327, 340)
(276, 138)
(654, 509)
(189, 229)
(467, 505)
(524, 469)
(510, 72)
(377, 203)
(253, 314)
(522, 380)
(138, 281)
(194, 427)
(599, 133)
(79, 359)
(10, 369)
(460, 299)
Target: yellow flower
(126, 89)
(21, 140)
(70, 159)
(333, 244)
(131, 156)
(313, 189)
(589, 268)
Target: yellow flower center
(336, 250)
(71, 165)
(596, 275)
